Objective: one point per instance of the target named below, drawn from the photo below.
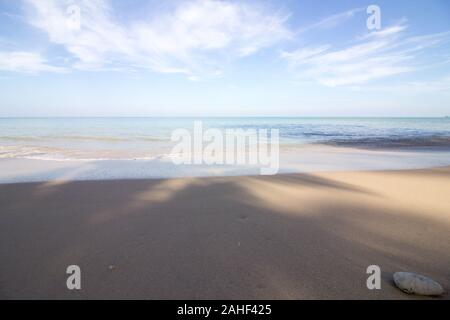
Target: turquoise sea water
(44, 149)
(146, 138)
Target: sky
(224, 58)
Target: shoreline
(292, 159)
(287, 236)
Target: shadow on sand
(279, 237)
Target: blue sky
(223, 58)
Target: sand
(294, 236)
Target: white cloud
(332, 21)
(199, 38)
(303, 55)
(396, 28)
(194, 38)
(26, 62)
(377, 55)
(431, 86)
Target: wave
(61, 154)
(21, 138)
(83, 138)
(390, 142)
(162, 151)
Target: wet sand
(293, 236)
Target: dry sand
(297, 236)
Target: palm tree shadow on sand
(294, 236)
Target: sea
(141, 147)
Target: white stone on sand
(413, 283)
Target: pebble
(413, 283)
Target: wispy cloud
(431, 86)
(195, 37)
(376, 55)
(200, 38)
(332, 21)
(26, 62)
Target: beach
(287, 236)
(224, 150)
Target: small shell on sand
(413, 283)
